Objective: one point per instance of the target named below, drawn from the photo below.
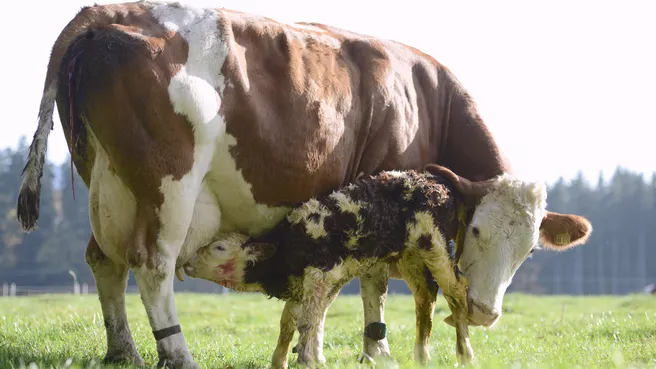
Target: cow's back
(311, 106)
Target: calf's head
(226, 259)
(509, 221)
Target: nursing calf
(393, 217)
(401, 218)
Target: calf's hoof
(375, 341)
(306, 362)
(177, 364)
(366, 359)
(422, 356)
(464, 360)
(383, 362)
(465, 354)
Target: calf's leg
(464, 350)
(319, 291)
(424, 290)
(373, 290)
(111, 282)
(288, 322)
(455, 292)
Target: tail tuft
(27, 208)
(29, 197)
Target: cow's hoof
(123, 359)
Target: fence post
(5, 289)
(12, 289)
(85, 289)
(76, 286)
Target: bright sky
(564, 85)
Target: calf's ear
(261, 251)
(560, 232)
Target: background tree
(619, 257)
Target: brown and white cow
(188, 123)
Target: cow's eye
(532, 251)
(476, 231)
(219, 248)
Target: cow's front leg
(373, 290)
(158, 240)
(156, 288)
(288, 322)
(111, 282)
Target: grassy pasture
(240, 331)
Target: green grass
(241, 330)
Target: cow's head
(509, 219)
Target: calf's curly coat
(393, 217)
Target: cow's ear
(261, 251)
(563, 231)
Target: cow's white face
(505, 229)
(503, 233)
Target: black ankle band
(166, 332)
(376, 331)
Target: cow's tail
(27, 208)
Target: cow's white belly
(225, 204)
(112, 208)
(235, 197)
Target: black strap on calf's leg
(376, 331)
(166, 332)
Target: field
(240, 331)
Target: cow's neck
(468, 147)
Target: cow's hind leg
(373, 290)
(111, 282)
(424, 290)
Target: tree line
(619, 257)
